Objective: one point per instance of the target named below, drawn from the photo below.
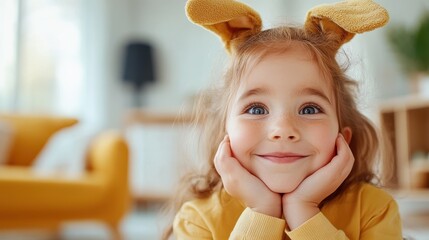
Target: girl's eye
(310, 109)
(256, 110)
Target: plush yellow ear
(345, 19)
(232, 21)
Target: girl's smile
(282, 157)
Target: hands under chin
(297, 206)
(241, 184)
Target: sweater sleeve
(383, 224)
(188, 224)
(253, 225)
(316, 228)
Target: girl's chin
(282, 189)
(282, 186)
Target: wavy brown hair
(210, 113)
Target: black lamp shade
(138, 64)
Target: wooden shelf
(151, 198)
(420, 169)
(412, 195)
(405, 121)
(404, 103)
(148, 117)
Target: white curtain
(8, 47)
(51, 57)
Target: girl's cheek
(239, 139)
(235, 140)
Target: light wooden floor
(138, 225)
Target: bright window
(8, 47)
(41, 59)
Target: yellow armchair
(30, 200)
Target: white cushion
(65, 152)
(6, 138)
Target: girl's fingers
(336, 171)
(227, 166)
(340, 164)
(344, 158)
(240, 183)
(339, 167)
(327, 179)
(230, 170)
(223, 153)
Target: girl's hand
(241, 184)
(302, 204)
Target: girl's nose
(285, 129)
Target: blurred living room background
(95, 97)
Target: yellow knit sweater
(362, 212)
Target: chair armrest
(24, 190)
(108, 157)
(108, 160)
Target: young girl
(289, 154)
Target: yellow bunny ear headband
(234, 22)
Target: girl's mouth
(279, 157)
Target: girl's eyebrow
(316, 92)
(252, 92)
(304, 91)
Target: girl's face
(283, 123)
